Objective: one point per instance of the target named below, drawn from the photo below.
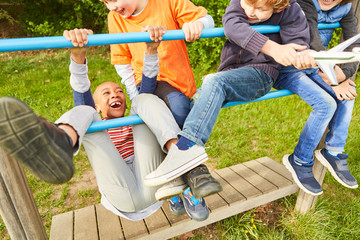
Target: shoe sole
(163, 194)
(294, 176)
(206, 190)
(24, 138)
(326, 164)
(159, 180)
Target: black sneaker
(40, 146)
(201, 182)
(337, 166)
(303, 175)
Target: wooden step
(245, 186)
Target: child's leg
(178, 103)
(332, 155)
(339, 125)
(323, 105)
(157, 116)
(114, 177)
(241, 84)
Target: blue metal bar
(22, 44)
(131, 120)
(38, 43)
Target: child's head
(110, 100)
(326, 5)
(125, 8)
(262, 10)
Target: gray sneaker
(175, 164)
(39, 145)
(170, 189)
(303, 175)
(197, 209)
(337, 166)
(201, 182)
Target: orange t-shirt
(173, 57)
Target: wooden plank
(235, 208)
(62, 226)
(239, 183)
(157, 221)
(18, 208)
(133, 229)
(268, 174)
(229, 194)
(108, 224)
(215, 202)
(85, 226)
(174, 219)
(275, 166)
(252, 177)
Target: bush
(52, 17)
(207, 51)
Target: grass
(242, 133)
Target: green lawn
(268, 128)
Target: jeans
(327, 110)
(241, 84)
(178, 103)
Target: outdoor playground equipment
(245, 186)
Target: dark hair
(346, 1)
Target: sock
(184, 143)
(333, 153)
(301, 163)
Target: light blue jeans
(241, 84)
(327, 111)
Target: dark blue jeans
(327, 110)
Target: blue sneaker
(176, 205)
(337, 166)
(195, 208)
(303, 175)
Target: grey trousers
(123, 185)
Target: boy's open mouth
(115, 105)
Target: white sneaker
(170, 189)
(175, 164)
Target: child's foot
(195, 208)
(337, 165)
(39, 145)
(170, 189)
(201, 182)
(175, 164)
(303, 175)
(176, 205)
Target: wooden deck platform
(245, 186)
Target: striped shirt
(123, 140)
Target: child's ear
(279, 10)
(97, 108)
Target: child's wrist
(151, 50)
